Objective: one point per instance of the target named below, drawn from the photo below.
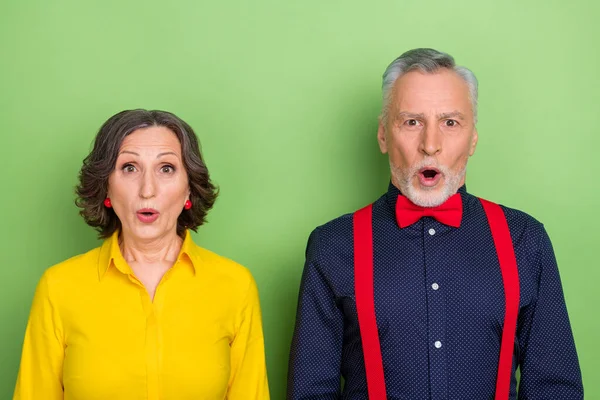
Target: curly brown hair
(100, 163)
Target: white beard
(428, 196)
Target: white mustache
(429, 162)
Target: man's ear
(473, 143)
(381, 139)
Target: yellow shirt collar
(110, 254)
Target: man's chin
(428, 196)
(429, 189)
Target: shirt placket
(151, 340)
(436, 309)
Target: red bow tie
(449, 213)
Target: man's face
(429, 135)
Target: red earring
(107, 203)
(188, 205)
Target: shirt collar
(393, 192)
(191, 251)
(110, 255)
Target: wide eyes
(414, 123)
(128, 168)
(165, 169)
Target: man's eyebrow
(406, 114)
(453, 114)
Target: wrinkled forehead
(153, 139)
(443, 91)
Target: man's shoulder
(337, 230)
(524, 228)
(522, 224)
(341, 228)
(330, 250)
(515, 216)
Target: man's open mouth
(429, 176)
(429, 173)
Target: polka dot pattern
(439, 301)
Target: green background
(284, 96)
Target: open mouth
(429, 176)
(429, 173)
(147, 215)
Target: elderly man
(431, 292)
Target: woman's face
(149, 185)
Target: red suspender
(365, 306)
(510, 278)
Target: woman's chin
(146, 231)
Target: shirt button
(437, 344)
(431, 231)
(435, 286)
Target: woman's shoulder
(76, 267)
(212, 263)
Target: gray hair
(428, 61)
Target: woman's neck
(150, 251)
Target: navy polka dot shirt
(439, 301)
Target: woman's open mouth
(147, 215)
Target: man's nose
(431, 140)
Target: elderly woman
(149, 314)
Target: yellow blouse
(94, 334)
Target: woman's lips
(147, 215)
